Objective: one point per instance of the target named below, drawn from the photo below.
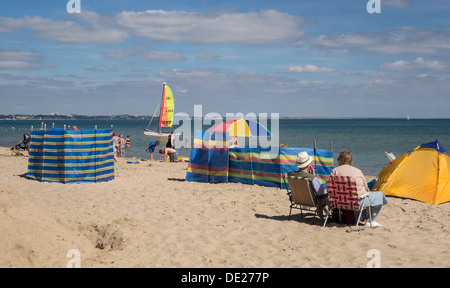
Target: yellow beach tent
(422, 174)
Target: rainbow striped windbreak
(69, 156)
(209, 158)
(250, 165)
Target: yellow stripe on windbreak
(70, 172)
(74, 150)
(71, 157)
(72, 179)
(206, 172)
(72, 135)
(73, 164)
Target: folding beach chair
(390, 155)
(342, 194)
(301, 195)
(25, 144)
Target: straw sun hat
(303, 160)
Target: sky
(297, 58)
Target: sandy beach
(149, 216)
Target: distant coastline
(148, 117)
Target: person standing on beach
(151, 148)
(128, 142)
(121, 146)
(170, 141)
(376, 198)
(115, 145)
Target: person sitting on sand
(376, 198)
(151, 148)
(169, 153)
(305, 170)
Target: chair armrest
(365, 195)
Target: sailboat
(166, 113)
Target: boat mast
(162, 105)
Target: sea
(368, 139)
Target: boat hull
(156, 133)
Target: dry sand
(150, 217)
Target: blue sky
(322, 58)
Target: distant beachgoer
(115, 145)
(121, 146)
(376, 198)
(128, 142)
(151, 148)
(75, 128)
(170, 153)
(171, 140)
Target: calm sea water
(366, 138)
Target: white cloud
(207, 56)
(15, 65)
(120, 53)
(406, 40)
(417, 64)
(163, 56)
(17, 55)
(397, 3)
(371, 73)
(65, 31)
(309, 68)
(265, 27)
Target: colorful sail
(167, 108)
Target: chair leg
(359, 218)
(328, 214)
(314, 219)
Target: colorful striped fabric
(242, 128)
(257, 166)
(249, 165)
(69, 156)
(209, 158)
(322, 161)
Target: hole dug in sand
(108, 237)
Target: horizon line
(143, 117)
